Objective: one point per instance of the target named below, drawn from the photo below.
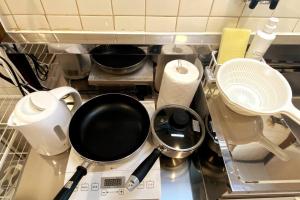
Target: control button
(121, 192)
(104, 192)
(95, 186)
(141, 186)
(150, 184)
(84, 187)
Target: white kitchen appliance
(43, 118)
(107, 181)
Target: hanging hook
(253, 3)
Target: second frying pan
(118, 59)
(107, 128)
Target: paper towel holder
(180, 68)
(253, 3)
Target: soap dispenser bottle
(262, 40)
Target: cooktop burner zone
(107, 182)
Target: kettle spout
(12, 122)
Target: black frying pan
(107, 128)
(118, 59)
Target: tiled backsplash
(143, 15)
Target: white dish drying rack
(210, 73)
(13, 150)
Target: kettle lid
(34, 107)
(41, 100)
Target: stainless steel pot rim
(167, 147)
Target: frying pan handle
(60, 92)
(142, 170)
(69, 187)
(291, 111)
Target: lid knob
(179, 119)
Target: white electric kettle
(43, 118)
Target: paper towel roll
(168, 53)
(179, 83)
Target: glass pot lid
(178, 127)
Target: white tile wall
(94, 7)
(216, 24)
(144, 15)
(9, 22)
(191, 24)
(252, 23)
(130, 23)
(60, 7)
(227, 8)
(162, 7)
(129, 7)
(288, 8)
(195, 7)
(297, 28)
(160, 24)
(64, 22)
(284, 25)
(97, 23)
(287, 24)
(3, 8)
(25, 6)
(32, 22)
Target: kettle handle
(60, 92)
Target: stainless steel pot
(177, 131)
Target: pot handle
(142, 170)
(60, 92)
(69, 187)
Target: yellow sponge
(233, 44)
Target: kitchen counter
(43, 177)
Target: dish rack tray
(13, 150)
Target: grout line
(73, 15)
(145, 16)
(18, 28)
(46, 15)
(179, 5)
(79, 15)
(241, 15)
(113, 14)
(151, 16)
(210, 10)
(298, 22)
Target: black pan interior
(109, 127)
(117, 56)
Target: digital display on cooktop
(112, 182)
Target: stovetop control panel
(98, 186)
